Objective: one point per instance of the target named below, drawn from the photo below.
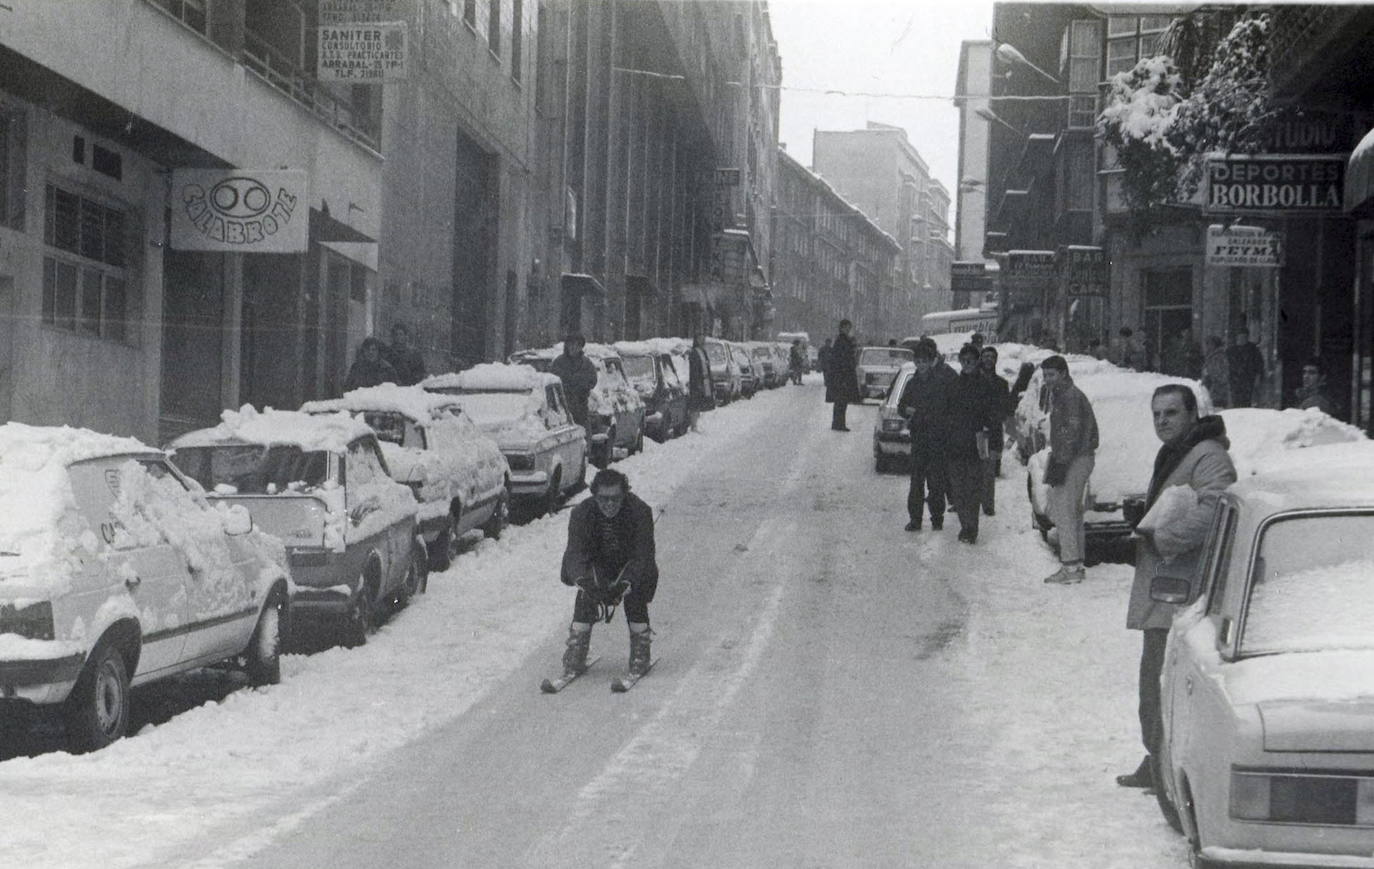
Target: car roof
(492, 377)
(415, 402)
(1335, 475)
(331, 432)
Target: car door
(142, 562)
(570, 444)
(365, 471)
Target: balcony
(282, 73)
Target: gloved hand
(1056, 473)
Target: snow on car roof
(492, 377)
(635, 348)
(1261, 438)
(675, 346)
(413, 401)
(35, 492)
(331, 432)
(1332, 475)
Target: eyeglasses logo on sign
(236, 211)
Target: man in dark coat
(970, 416)
(405, 357)
(999, 398)
(842, 377)
(1194, 454)
(578, 374)
(611, 559)
(923, 403)
(700, 396)
(1245, 366)
(369, 367)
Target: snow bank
(1261, 437)
(331, 433)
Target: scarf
(1170, 456)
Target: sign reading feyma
(239, 210)
(1274, 183)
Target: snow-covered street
(833, 691)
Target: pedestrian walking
(923, 403)
(1245, 365)
(700, 396)
(578, 374)
(999, 400)
(1073, 446)
(1194, 454)
(842, 377)
(610, 558)
(796, 361)
(1216, 375)
(369, 367)
(1312, 393)
(405, 357)
(971, 416)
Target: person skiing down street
(610, 559)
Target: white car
(1267, 689)
(878, 366)
(525, 412)
(115, 571)
(319, 483)
(457, 472)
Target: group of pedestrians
(377, 362)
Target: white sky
(875, 46)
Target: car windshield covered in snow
(392, 427)
(715, 351)
(638, 367)
(1311, 587)
(254, 469)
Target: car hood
(1309, 701)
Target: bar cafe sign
(1274, 184)
(239, 210)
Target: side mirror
(237, 520)
(1170, 589)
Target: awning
(1359, 178)
(578, 283)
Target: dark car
(655, 379)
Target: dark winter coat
(970, 410)
(842, 372)
(579, 379)
(621, 546)
(409, 365)
(999, 395)
(1073, 425)
(699, 393)
(1200, 461)
(364, 373)
(924, 402)
(1245, 365)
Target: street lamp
(988, 115)
(1010, 55)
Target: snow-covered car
(744, 364)
(115, 571)
(525, 412)
(725, 374)
(615, 412)
(321, 484)
(891, 434)
(655, 379)
(765, 363)
(877, 366)
(456, 471)
(1267, 688)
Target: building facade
(832, 262)
(970, 281)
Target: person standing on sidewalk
(923, 404)
(1194, 454)
(842, 377)
(999, 397)
(1073, 445)
(970, 416)
(700, 397)
(1245, 365)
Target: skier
(610, 559)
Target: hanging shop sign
(1274, 184)
(1027, 277)
(1244, 246)
(362, 53)
(1083, 270)
(240, 210)
(969, 277)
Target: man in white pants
(1073, 444)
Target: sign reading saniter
(239, 210)
(1274, 183)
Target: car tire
(581, 482)
(549, 503)
(881, 463)
(441, 554)
(362, 617)
(1166, 805)
(98, 708)
(500, 515)
(263, 655)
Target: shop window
(1168, 307)
(84, 284)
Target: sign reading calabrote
(362, 53)
(1248, 246)
(1274, 183)
(240, 210)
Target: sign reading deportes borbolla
(240, 210)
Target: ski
(553, 686)
(621, 684)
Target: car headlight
(33, 622)
(520, 461)
(1302, 799)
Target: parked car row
(740, 369)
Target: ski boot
(575, 656)
(639, 652)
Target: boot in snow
(639, 652)
(575, 656)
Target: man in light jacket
(1073, 446)
(1194, 454)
